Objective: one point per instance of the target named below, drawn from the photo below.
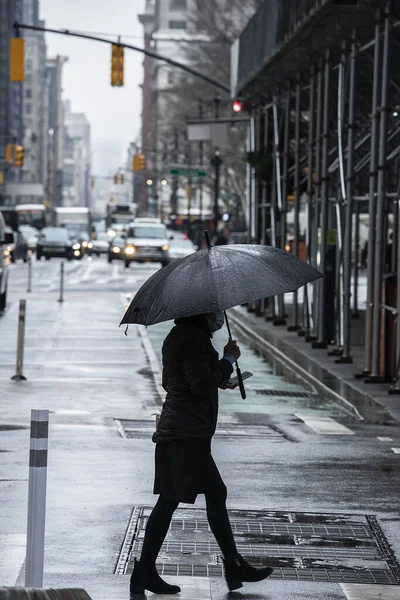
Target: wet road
(283, 450)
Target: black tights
(160, 519)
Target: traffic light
(117, 65)
(139, 162)
(115, 178)
(236, 106)
(121, 178)
(17, 59)
(92, 183)
(19, 156)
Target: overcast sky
(114, 113)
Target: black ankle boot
(239, 570)
(150, 580)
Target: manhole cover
(301, 546)
(144, 429)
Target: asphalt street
(312, 488)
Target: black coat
(192, 373)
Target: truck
(77, 219)
(119, 216)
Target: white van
(146, 242)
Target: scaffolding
(322, 85)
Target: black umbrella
(217, 278)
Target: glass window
(177, 4)
(28, 108)
(177, 24)
(28, 93)
(147, 232)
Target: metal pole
(37, 498)
(322, 342)
(348, 236)
(372, 201)
(356, 314)
(201, 158)
(280, 317)
(61, 298)
(20, 342)
(29, 288)
(295, 326)
(264, 194)
(380, 242)
(310, 189)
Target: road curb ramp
(21, 593)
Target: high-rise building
(77, 146)
(54, 186)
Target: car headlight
(130, 250)
(84, 244)
(76, 253)
(90, 245)
(165, 247)
(111, 232)
(76, 246)
(116, 249)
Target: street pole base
(18, 378)
(344, 360)
(279, 321)
(319, 345)
(336, 352)
(363, 374)
(375, 379)
(60, 300)
(293, 328)
(251, 309)
(301, 333)
(394, 391)
(355, 315)
(259, 313)
(310, 338)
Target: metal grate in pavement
(283, 393)
(342, 548)
(144, 429)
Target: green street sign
(187, 172)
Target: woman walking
(192, 374)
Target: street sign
(188, 171)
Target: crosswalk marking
(324, 425)
(358, 591)
(384, 439)
(102, 281)
(396, 450)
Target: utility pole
(216, 162)
(174, 192)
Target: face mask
(218, 323)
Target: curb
(271, 352)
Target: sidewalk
(320, 370)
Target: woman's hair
(199, 321)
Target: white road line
(396, 450)
(115, 272)
(131, 279)
(384, 439)
(12, 556)
(102, 281)
(153, 360)
(358, 591)
(88, 272)
(324, 425)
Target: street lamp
(164, 182)
(149, 182)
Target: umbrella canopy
(217, 278)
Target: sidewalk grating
(145, 429)
(340, 548)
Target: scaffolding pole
(380, 242)
(322, 342)
(280, 318)
(348, 236)
(295, 326)
(308, 298)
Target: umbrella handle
(238, 371)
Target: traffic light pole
(170, 61)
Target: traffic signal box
(117, 65)
(17, 59)
(19, 156)
(138, 162)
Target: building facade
(78, 149)
(54, 187)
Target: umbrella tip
(207, 239)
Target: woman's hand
(225, 387)
(232, 348)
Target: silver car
(146, 242)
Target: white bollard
(21, 341)
(61, 298)
(37, 498)
(29, 289)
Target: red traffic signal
(236, 106)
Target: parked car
(56, 242)
(31, 235)
(146, 242)
(116, 248)
(5, 240)
(180, 248)
(101, 244)
(18, 248)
